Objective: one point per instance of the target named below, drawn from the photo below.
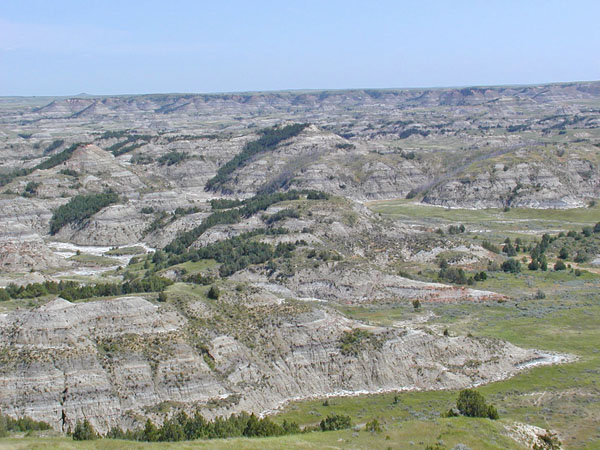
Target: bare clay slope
(114, 361)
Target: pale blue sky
(64, 47)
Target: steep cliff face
(114, 361)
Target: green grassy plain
(515, 220)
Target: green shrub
(172, 158)
(280, 215)
(453, 275)
(481, 276)
(69, 172)
(471, 403)
(352, 342)
(511, 265)
(22, 424)
(335, 422)
(564, 253)
(84, 431)
(32, 187)
(214, 292)
(560, 265)
(224, 203)
(53, 146)
(373, 426)
(508, 248)
(490, 247)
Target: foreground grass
(412, 434)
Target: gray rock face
(114, 225)
(551, 182)
(22, 250)
(110, 360)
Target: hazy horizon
(109, 48)
(300, 90)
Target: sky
(67, 47)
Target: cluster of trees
(158, 222)
(235, 253)
(71, 290)
(182, 427)
(280, 215)
(225, 203)
(457, 275)
(59, 158)
(454, 275)
(454, 229)
(132, 142)
(31, 189)
(511, 265)
(335, 422)
(173, 157)
(69, 172)
(20, 425)
(84, 431)
(238, 253)
(269, 140)
(537, 253)
(345, 146)
(508, 248)
(79, 208)
(114, 134)
(140, 158)
(190, 137)
(198, 278)
(324, 255)
(471, 403)
(559, 265)
(410, 131)
(490, 247)
(6, 178)
(53, 146)
(538, 250)
(316, 195)
(53, 161)
(230, 216)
